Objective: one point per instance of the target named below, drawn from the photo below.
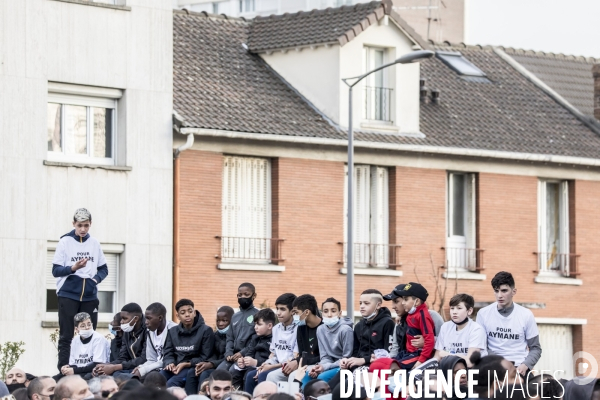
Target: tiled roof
(220, 85)
(569, 76)
(330, 26)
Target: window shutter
(379, 216)
(542, 224)
(564, 227)
(107, 285)
(471, 228)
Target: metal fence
(266, 250)
(378, 103)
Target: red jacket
(384, 363)
(421, 323)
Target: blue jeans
(324, 376)
(175, 380)
(250, 383)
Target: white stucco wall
(317, 73)
(47, 40)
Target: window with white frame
(461, 253)
(553, 221)
(81, 128)
(378, 96)
(246, 224)
(247, 6)
(107, 289)
(371, 215)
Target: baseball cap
(414, 289)
(82, 214)
(394, 294)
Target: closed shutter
(109, 284)
(471, 228)
(564, 227)
(557, 349)
(379, 217)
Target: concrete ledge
(467, 275)
(558, 280)
(382, 127)
(373, 272)
(92, 166)
(102, 5)
(561, 321)
(251, 267)
(54, 324)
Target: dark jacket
(373, 335)
(218, 354)
(259, 348)
(194, 345)
(133, 348)
(115, 348)
(306, 338)
(242, 329)
(401, 333)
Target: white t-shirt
(69, 251)
(459, 342)
(95, 351)
(158, 341)
(284, 343)
(507, 336)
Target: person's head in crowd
(41, 388)
(264, 320)
(156, 317)
(72, 387)
(155, 380)
(544, 386)
(413, 295)
(582, 388)
(82, 222)
(461, 308)
(332, 311)
(306, 310)
(130, 385)
(280, 396)
(3, 390)
(316, 388)
(503, 284)
(185, 312)
(177, 392)
(492, 369)
(396, 300)
(370, 303)
(246, 295)
(20, 394)
(121, 379)
(224, 315)
(83, 325)
(145, 393)
(203, 387)
(115, 326)
(197, 397)
(15, 379)
(264, 390)
(219, 384)
(453, 365)
(284, 305)
(336, 393)
(131, 317)
(237, 395)
(103, 386)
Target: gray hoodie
(335, 343)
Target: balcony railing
(464, 259)
(562, 263)
(378, 103)
(369, 255)
(259, 250)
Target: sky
(558, 26)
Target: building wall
(89, 45)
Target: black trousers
(67, 309)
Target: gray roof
(569, 76)
(220, 85)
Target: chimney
(435, 96)
(424, 92)
(596, 72)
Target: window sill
(92, 166)
(101, 5)
(251, 267)
(380, 127)
(54, 324)
(466, 275)
(373, 272)
(557, 280)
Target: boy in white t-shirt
(461, 336)
(510, 328)
(284, 345)
(88, 349)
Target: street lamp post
(414, 56)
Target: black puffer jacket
(194, 345)
(373, 335)
(259, 348)
(133, 348)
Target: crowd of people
(299, 351)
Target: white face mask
(86, 333)
(412, 310)
(329, 322)
(128, 327)
(372, 315)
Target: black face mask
(14, 386)
(461, 322)
(245, 302)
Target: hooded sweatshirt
(192, 345)
(335, 343)
(218, 354)
(78, 285)
(133, 348)
(155, 351)
(242, 329)
(447, 367)
(374, 334)
(259, 348)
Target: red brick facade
(307, 211)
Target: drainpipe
(176, 178)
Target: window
(247, 6)
(377, 94)
(371, 216)
(81, 128)
(246, 224)
(461, 251)
(457, 62)
(107, 289)
(553, 220)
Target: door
(557, 350)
